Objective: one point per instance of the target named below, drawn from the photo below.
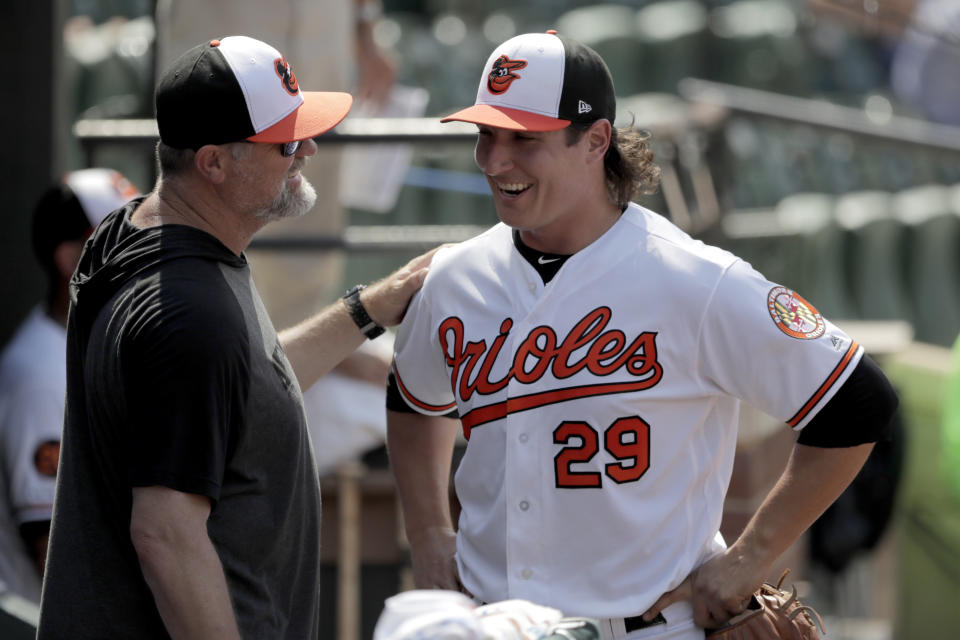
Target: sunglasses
(287, 149)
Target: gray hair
(173, 162)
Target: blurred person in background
(33, 374)
(923, 40)
(926, 59)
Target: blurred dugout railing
(671, 136)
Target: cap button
(552, 32)
(214, 43)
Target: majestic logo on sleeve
(793, 315)
(287, 79)
(502, 74)
(588, 346)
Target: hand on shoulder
(386, 300)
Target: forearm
(420, 449)
(320, 343)
(181, 565)
(365, 366)
(813, 479)
(722, 586)
(190, 590)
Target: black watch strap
(369, 328)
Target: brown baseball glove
(772, 614)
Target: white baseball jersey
(32, 390)
(601, 409)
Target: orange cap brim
(320, 112)
(506, 118)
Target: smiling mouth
(513, 189)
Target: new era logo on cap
(239, 88)
(541, 82)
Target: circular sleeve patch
(47, 458)
(793, 315)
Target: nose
(492, 155)
(307, 148)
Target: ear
(598, 139)
(66, 257)
(210, 160)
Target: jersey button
(526, 574)
(533, 287)
(524, 505)
(523, 437)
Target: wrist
(357, 311)
(430, 536)
(753, 549)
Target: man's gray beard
(290, 203)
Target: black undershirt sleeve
(861, 411)
(395, 401)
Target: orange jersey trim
(419, 403)
(829, 382)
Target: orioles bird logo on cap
(287, 78)
(501, 75)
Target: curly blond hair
(628, 163)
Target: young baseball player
(596, 356)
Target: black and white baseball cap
(542, 82)
(71, 209)
(239, 88)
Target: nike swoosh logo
(542, 260)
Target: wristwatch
(351, 299)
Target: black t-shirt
(176, 378)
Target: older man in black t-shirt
(188, 504)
